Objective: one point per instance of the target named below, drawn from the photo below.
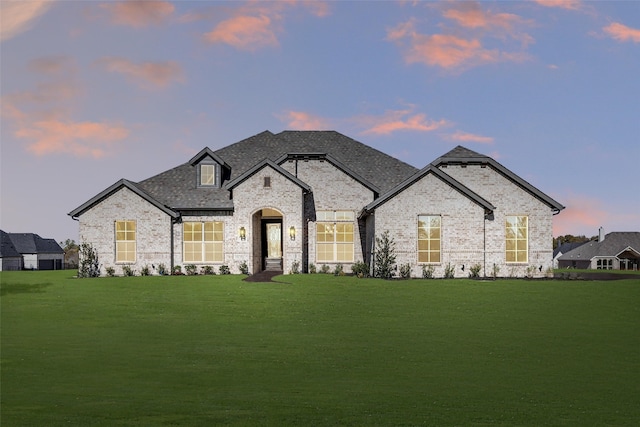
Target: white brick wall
(153, 237)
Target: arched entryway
(267, 243)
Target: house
(613, 251)
(301, 198)
(563, 249)
(33, 252)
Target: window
(517, 238)
(208, 175)
(203, 241)
(605, 264)
(429, 238)
(125, 241)
(334, 236)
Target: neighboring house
(35, 252)
(563, 249)
(10, 258)
(297, 198)
(615, 251)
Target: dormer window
(207, 174)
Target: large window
(429, 238)
(334, 236)
(125, 241)
(517, 239)
(203, 242)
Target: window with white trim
(207, 175)
(125, 232)
(517, 238)
(334, 236)
(429, 238)
(203, 242)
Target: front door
(272, 244)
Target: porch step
(273, 264)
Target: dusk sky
(93, 92)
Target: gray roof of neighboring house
(7, 249)
(462, 155)
(613, 244)
(30, 243)
(566, 247)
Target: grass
(317, 350)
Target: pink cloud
(581, 213)
(148, 75)
(400, 120)
(19, 16)
(83, 139)
(470, 15)
(622, 33)
(244, 32)
(299, 120)
(139, 14)
(461, 136)
(562, 4)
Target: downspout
(171, 224)
(484, 243)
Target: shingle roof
(176, 188)
(30, 243)
(7, 249)
(613, 244)
(566, 247)
(462, 155)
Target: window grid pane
(335, 240)
(429, 228)
(207, 174)
(203, 241)
(516, 239)
(125, 241)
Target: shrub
(89, 262)
(312, 268)
(146, 271)
(339, 270)
(191, 269)
(177, 270)
(111, 272)
(405, 271)
(360, 269)
(162, 269)
(207, 270)
(295, 267)
(325, 269)
(385, 257)
(449, 271)
(474, 271)
(224, 269)
(427, 271)
(244, 268)
(128, 271)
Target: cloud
(244, 32)
(83, 139)
(300, 120)
(622, 33)
(400, 120)
(470, 15)
(19, 16)
(139, 14)
(461, 136)
(581, 213)
(42, 117)
(562, 4)
(149, 75)
(255, 25)
(454, 52)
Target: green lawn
(317, 350)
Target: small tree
(385, 256)
(89, 262)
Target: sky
(92, 92)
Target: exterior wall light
(243, 233)
(292, 233)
